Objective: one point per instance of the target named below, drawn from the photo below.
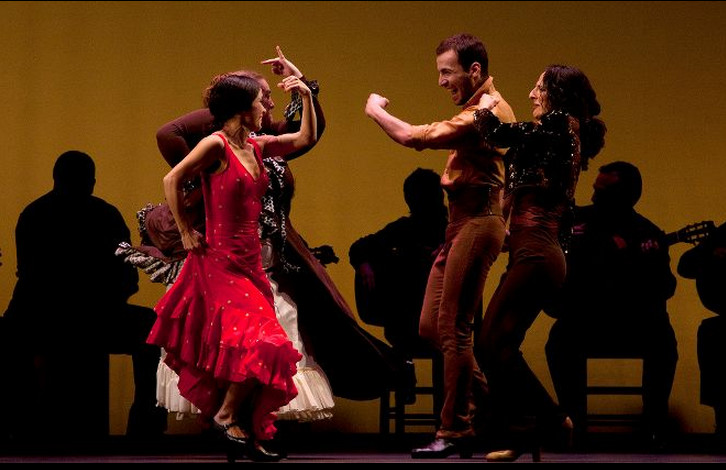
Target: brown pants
(453, 295)
(535, 272)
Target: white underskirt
(314, 400)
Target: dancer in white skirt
(307, 303)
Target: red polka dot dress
(217, 323)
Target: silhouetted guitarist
(706, 263)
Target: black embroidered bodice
(543, 158)
(545, 155)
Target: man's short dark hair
(469, 49)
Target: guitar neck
(693, 233)
(672, 238)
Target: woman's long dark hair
(569, 90)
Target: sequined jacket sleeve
(545, 155)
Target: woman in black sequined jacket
(543, 164)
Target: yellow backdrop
(103, 76)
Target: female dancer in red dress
(217, 323)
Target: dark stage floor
(337, 458)
(350, 448)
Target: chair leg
(384, 413)
(397, 412)
(400, 407)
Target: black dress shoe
(442, 448)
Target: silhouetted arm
(175, 139)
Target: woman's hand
(192, 240)
(488, 102)
(293, 83)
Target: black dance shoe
(510, 455)
(235, 446)
(223, 429)
(442, 448)
(525, 439)
(557, 432)
(257, 452)
(524, 442)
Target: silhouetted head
(618, 186)
(230, 94)
(463, 66)
(74, 174)
(423, 193)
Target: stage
(351, 448)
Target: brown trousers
(474, 239)
(535, 272)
